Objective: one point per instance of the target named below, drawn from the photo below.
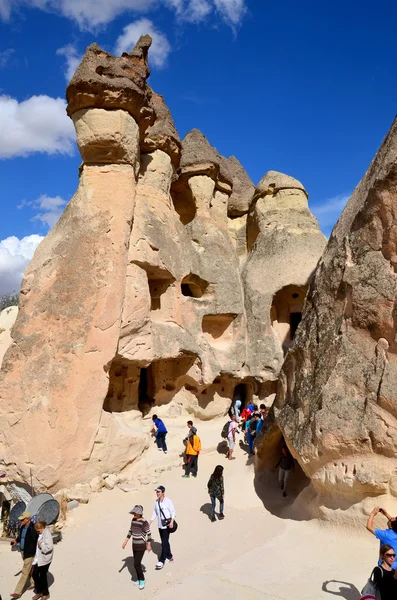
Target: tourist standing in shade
(164, 512)
(216, 490)
(42, 560)
(160, 432)
(141, 541)
(193, 448)
(285, 464)
(385, 536)
(27, 540)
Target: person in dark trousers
(161, 432)
(141, 541)
(216, 490)
(27, 540)
(193, 448)
(164, 512)
(286, 463)
(42, 560)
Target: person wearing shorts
(231, 436)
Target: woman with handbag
(383, 582)
(164, 512)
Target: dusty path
(251, 554)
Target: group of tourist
(382, 584)
(37, 549)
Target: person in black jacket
(27, 540)
(286, 463)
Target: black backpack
(225, 430)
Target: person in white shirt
(42, 560)
(164, 512)
(231, 436)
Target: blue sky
(308, 89)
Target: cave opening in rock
(183, 201)
(193, 286)
(286, 313)
(145, 390)
(130, 387)
(241, 392)
(294, 319)
(219, 329)
(159, 284)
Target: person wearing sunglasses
(385, 575)
(385, 536)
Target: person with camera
(164, 512)
(27, 540)
(385, 536)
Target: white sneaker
(137, 582)
(169, 559)
(165, 451)
(141, 584)
(159, 565)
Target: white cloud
(231, 10)
(52, 207)
(72, 58)
(328, 211)
(160, 47)
(39, 124)
(5, 9)
(15, 256)
(5, 57)
(90, 14)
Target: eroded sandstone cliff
(168, 284)
(337, 400)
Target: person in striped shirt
(141, 541)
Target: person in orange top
(193, 448)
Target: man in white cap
(164, 512)
(27, 540)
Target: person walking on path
(385, 575)
(385, 536)
(27, 540)
(216, 490)
(42, 560)
(193, 448)
(164, 512)
(141, 541)
(161, 432)
(286, 463)
(231, 436)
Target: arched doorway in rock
(243, 391)
(286, 313)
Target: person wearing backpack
(383, 580)
(231, 436)
(216, 491)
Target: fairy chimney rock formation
(167, 285)
(337, 400)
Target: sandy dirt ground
(251, 554)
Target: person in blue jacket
(160, 433)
